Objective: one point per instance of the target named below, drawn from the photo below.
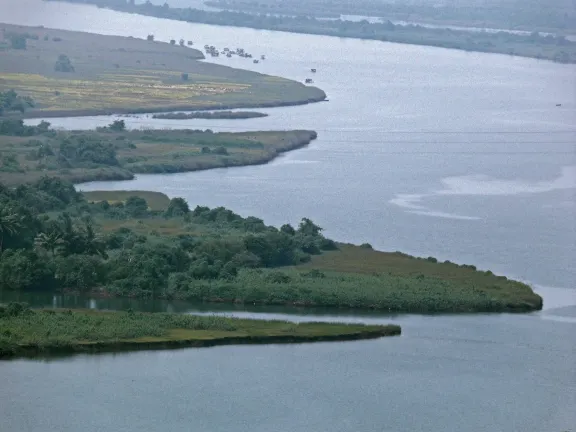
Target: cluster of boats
(240, 52)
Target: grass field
(152, 151)
(25, 332)
(121, 75)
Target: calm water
(434, 152)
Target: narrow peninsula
(33, 333)
(211, 115)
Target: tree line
(52, 238)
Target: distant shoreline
(556, 49)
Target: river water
(463, 156)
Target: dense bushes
(11, 101)
(64, 249)
(50, 238)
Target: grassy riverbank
(25, 332)
(29, 153)
(553, 48)
(111, 74)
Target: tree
(90, 242)
(150, 38)
(182, 42)
(63, 64)
(307, 227)
(288, 229)
(117, 126)
(173, 42)
(10, 224)
(177, 207)
(50, 242)
(136, 206)
(18, 41)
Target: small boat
(313, 70)
(308, 81)
(256, 61)
(263, 57)
(228, 55)
(558, 104)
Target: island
(73, 74)
(210, 115)
(535, 45)
(46, 332)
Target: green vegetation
(52, 238)
(556, 48)
(214, 115)
(28, 153)
(10, 101)
(25, 332)
(156, 201)
(543, 15)
(72, 73)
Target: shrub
(63, 64)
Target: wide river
(462, 156)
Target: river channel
(462, 156)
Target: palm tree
(10, 223)
(93, 244)
(51, 241)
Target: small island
(33, 333)
(210, 115)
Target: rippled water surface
(437, 152)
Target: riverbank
(48, 332)
(560, 18)
(213, 115)
(114, 153)
(557, 49)
(101, 75)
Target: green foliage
(136, 207)
(11, 101)
(117, 126)
(24, 269)
(81, 149)
(51, 238)
(177, 207)
(63, 64)
(17, 41)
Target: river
(463, 156)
